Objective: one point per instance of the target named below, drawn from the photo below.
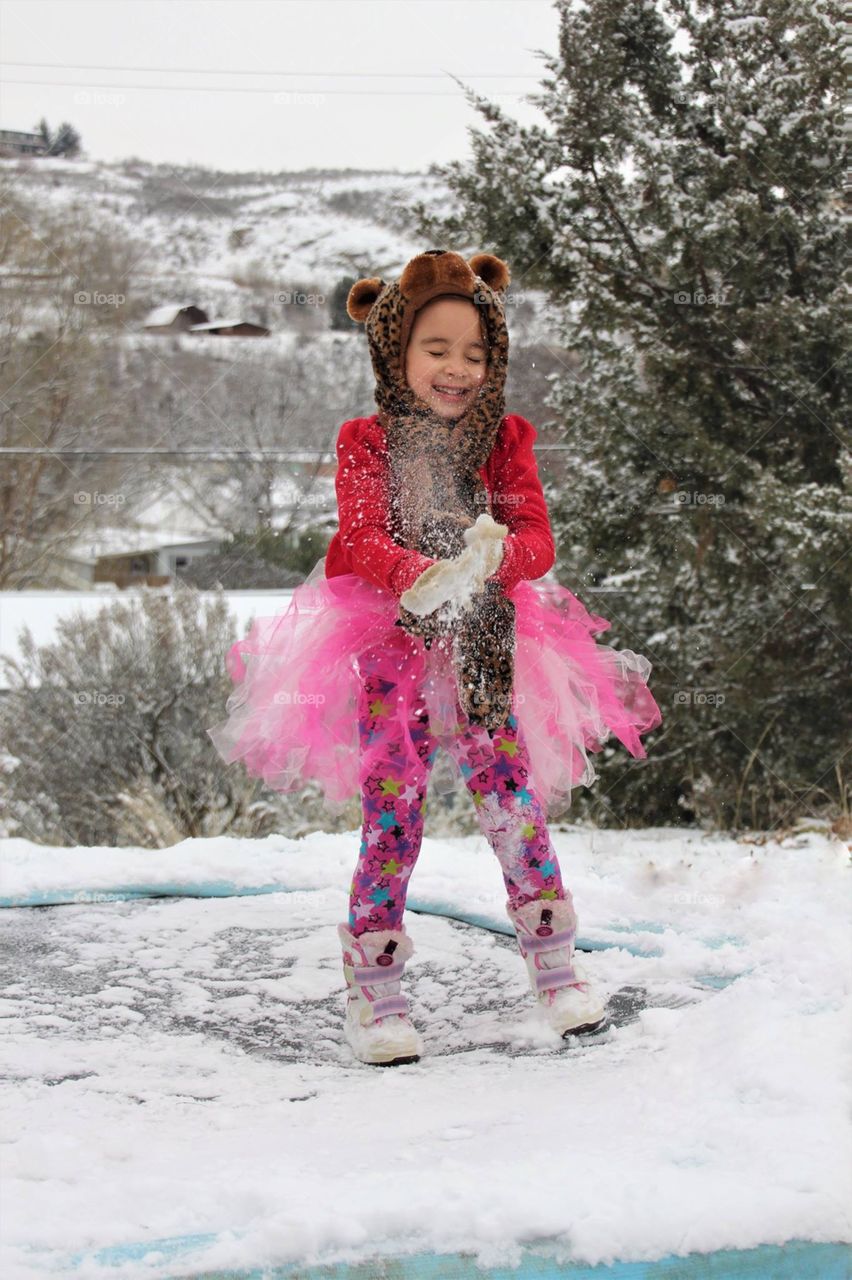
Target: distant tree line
(64, 141)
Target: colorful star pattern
(395, 770)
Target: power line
(248, 455)
(245, 455)
(215, 71)
(212, 88)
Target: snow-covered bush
(104, 732)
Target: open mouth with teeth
(451, 393)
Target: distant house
(231, 329)
(14, 142)
(174, 317)
(153, 566)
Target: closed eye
(439, 354)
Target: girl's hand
(456, 581)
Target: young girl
(424, 625)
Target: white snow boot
(377, 1027)
(546, 929)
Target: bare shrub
(104, 731)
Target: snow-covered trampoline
(179, 1101)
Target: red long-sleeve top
(363, 545)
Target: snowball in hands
(458, 579)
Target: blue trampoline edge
(793, 1260)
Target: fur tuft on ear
(494, 271)
(361, 297)
(435, 267)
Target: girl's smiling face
(446, 359)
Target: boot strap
(550, 979)
(388, 1005)
(532, 942)
(371, 975)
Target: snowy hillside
(217, 236)
(277, 251)
(311, 227)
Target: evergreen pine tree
(43, 131)
(67, 141)
(339, 316)
(682, 209)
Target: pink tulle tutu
(293, 715)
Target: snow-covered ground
(174, 1067)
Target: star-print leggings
(509, 813)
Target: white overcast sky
(380, 120)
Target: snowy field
(174, 1069)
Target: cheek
(416, 371)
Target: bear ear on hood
(361, 297)
(494, 271)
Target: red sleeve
(363, 510)
(518, 501)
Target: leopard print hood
(436, 491)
